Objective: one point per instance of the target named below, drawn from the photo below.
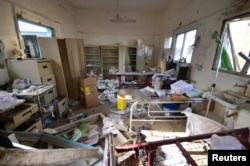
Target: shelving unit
(93, 59)
(132, 56)
(110, 58)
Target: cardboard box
(91, 100)
(88, 81)
(89, 89)
(88, 85)
(89, 92)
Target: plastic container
(170, 107)
(121, 102)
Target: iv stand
(217, 72)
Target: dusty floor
(106, 108)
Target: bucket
(170, 107)
(121, 102)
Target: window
(184, 46)
(29, 32)
(30, 28)
(233, 47)
(167, 42)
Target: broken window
(29, 32)
(34, 29)
(233, 46)
(184, 46)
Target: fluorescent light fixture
(121, 20)
(118, 19)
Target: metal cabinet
(34, 70)
(21, 117)
(44, 97)
(38, 72)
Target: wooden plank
(124, 156)
(73, 65)
(21, 136)
(66, 67)
(62, 142)
(44, 156)
(49, 139)
(81, 56)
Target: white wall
(208, 16)
(59, 14)
(97, 28)
(7, 35)
(93, 26)
(50, 13)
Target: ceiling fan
(119, 19)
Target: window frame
(32, 50)
(218, 50)
(180, 31)
(37, 24)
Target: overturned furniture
(106, 140)
(46, 150)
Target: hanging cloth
(225, 59)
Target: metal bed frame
(151, 147)
(155, 111)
